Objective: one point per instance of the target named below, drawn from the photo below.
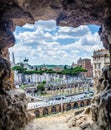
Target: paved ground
(54, 122)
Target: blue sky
(46, 43)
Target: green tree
(65, 67)
(50, 71)
(28, 72)
(73, 71)
(19, 69)
(41, 87)
(44, 82)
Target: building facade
(100, 59)
(86, 63)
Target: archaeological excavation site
(70, 13)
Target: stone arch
(37, 113)
(35, 91)
(75, 105)
(53, 109)
(32, 100)
(68, 107)
(87, 102)
(82, 104)
(59, 108)
(45, 111)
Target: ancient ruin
(66, 13)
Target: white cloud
(46, 25)
(42, 45)
(28, 26)
(42, 25)
(69, 32)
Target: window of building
(99, 65)
(95, 66)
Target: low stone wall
(52, 109)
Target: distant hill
(49, 66)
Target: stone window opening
(69, 13)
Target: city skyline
(46, 43)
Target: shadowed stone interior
(66, 13)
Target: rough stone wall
(13, 110)
(66, 13)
